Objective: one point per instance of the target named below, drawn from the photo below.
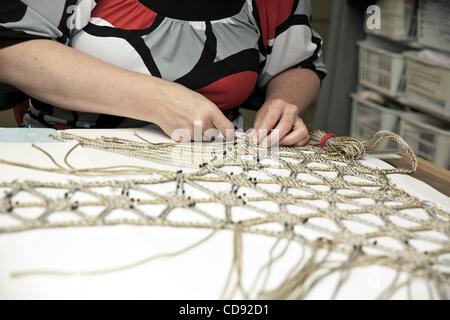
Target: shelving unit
(392, 65)
(381, 68)
(428, 137)
(369, 117)
(434, 24)
(399, 21)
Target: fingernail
(251, 136)
(264, 143)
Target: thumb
(222, 124)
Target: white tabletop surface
(198, 274)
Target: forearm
(296, 86)
(67, 78)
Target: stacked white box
(398, 20)
(427, 86)
(434, 24)
(369, 117)
(381, 69)
(429, 137)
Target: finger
(196, 133)
(299, 136)
(180, 134)
(221, 123)
(259, 116)
(268, 107)
(269, 121)
(211, 134)
(269, 116)
(302, 142)
(284, 126)
(250, 135)
(295, 138)
(209, 131)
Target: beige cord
(323, 179)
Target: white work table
(197, 274)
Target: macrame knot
(348, 147)
(354, 149)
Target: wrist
(147, 102)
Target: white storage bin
(369, 117)
(427, 86)
(429, 137)
(381, 68)
(434, 24)
(398, 20)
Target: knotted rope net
(315, 195)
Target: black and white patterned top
(225, 50)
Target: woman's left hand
(277, 122)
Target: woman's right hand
(184, 114)
(73, 80)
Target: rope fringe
(323, 155)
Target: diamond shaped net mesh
(319, 198)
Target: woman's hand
(184, 115)
(288, 94)
(277, 122)
(79, 82)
